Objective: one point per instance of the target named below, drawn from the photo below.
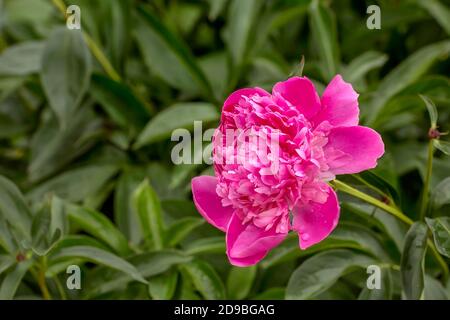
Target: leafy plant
(86, 118)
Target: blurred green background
(85, 124)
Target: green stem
(42, 281)
(62, 292)
(339, 185)
(426, 186)
(365, 197)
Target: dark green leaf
(12, 280)
(412, 263)
(163, 287)
(66, 71)
(180, 229)
(240, 282)
(321, 271)
(99, 226)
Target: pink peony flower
(316, 139)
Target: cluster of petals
(271, 175)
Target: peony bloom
(265, 187)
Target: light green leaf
(432, 111)
(205, 279)
(180, 229)
(12, 280)
(21, 59)
(361, 65)
(98, 225)
(440, 227)
(240, 282)
(434, 290)
(320, 272)
(177, 116)
(412, 262)
(66, 72)
(14, 208)
(148, 208)
(323, 27)
(103, 257)
(443, 146)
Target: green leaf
(168, 56)
(439, 11)
(125, 215)
(242, 16)
(42, 239)
(13, 207)
(323, 27)
(381, 184)
(320, 272)
(434, 289)
(103, 257)
(75, 185)
(406, 73)
(441, 194)
(412, 262)
(386, 288)
(119, 102)
(177, 116)
(99, 226)
(6, 261)
(205, 279)
(163, 287)
(432, 111)
(440, 227)
(349, 236)
(66, 72)
(12, 280)
(206, 246)
(240, 282)
(361, 65)
(180, 229)
(215, 8)
(149, 211)
(52, 149)
(443, 146)
(149, 264)
(21, 59)
(271, 294)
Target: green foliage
(86, 119)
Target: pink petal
(234, 98)
(339, 103)
(209, 203)
(315, 221)
(248, 244)
(353, 149)
(299, 92)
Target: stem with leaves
(394, 211)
